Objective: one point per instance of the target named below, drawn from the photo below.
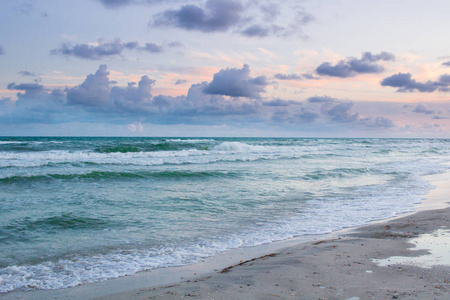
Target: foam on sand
(437, 244)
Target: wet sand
(338, 268)
(351, 264)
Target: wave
(239, 147)
(165, 145)
(191, 141)
(95, 175)
(159, 154)
(336, 173)
(120, 149)
(30, 142)
(60, 222)
(11, 142)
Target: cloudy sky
(318, 68)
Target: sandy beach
(361, 263)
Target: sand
(361, 263)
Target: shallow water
(436, 244)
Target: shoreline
(309, 266)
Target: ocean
(79, 210)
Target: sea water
(79, 210)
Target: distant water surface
(76, 210)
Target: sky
(311, 68)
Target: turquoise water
(76, 210)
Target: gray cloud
(281, 102)
(307, 115)
(320, 99)
(133, 98)
(381, 122)
(180, 81)
(94, 91)
(342, 112)
(6, 106)
(97, 98)
(352, 66)
(270, 11)
(327, 112)
(447, 63)
(248, 18)
(256, 31)
(104, 49)
(238, 101)
(291, 76)
(26, 73)
(35, 103)
(236, 83)
(116, 3)
(214, 15)
(405, 83)
(271, 28)
(309, 76)
(441, 118)
(175, 44)
(122, 3)
(26, 87)
(422, 109)
(25, 7)
(152, 48)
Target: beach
(224, 149)
(343, 265)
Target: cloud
(320, 99)
(103, 49)
(94, 91)
(326, 112)
(405, 83)
(152, 48)
(27, 87)
(180, 81)
(132, 98)
(236, 83)
(447, 63)
(266, 24)
(116, 3)
(175, 44)
(248, 18)
(307, 115)
(122, 3)
(342, 112)
(441, 118)
(291, 76)
(135, 127)
(97, 100)
(256, 31)
(2, 51)
(352, 66)
(382, 122)
(26, 73)
(231, 98)
(214, 15)
(280, 102)
(35, 104)
(270, 11)
(422, 109)
(96, 94)
(26, 7)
